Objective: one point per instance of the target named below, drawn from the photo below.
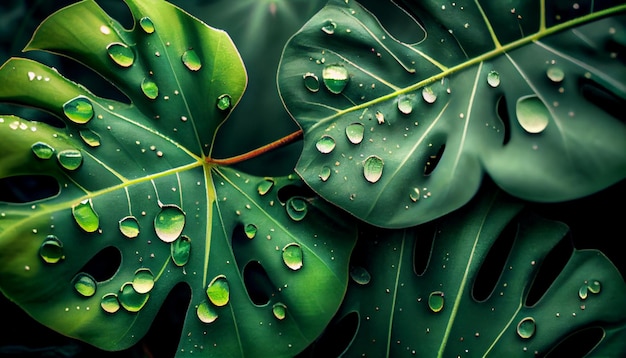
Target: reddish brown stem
(261, 150)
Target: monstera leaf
(399, 134)
(266, 263)
(398, 307)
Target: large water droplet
(79, 110)
(180, 250)
(219, 291)
(360, 275)
(583, 291)
(51, 250)
(335, 78)
(70, 159)
(326, 144)
(143, 282)
(224, 102)
(311, 82)
(435, 301)
(594, 286)
(526, 327)
(405, 104)
(191, 60)
(279, 310)
(90, 137)
(297, 208)
(131, 300)
(147, 25)
(373, 168)
(110, 303)
(84, 284)
(42, 150)
(121, 54)
(555, 74)
(354, 132)
(169, 223)
(206, 313)
(429, 95)
(532, 114)
(85, 216)
(293, 256)
(265, 186)
(325, 173)
(493, 79)
(414, 194)
(251, 231)
(129, 227)
(329, 27)
(149, 88)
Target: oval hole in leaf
(28, 188)
(164, 334)
(578, 344)
(336, 338)
(424, 240)
(104, 265)
(502, 112)
(433, 159)
(549, 270)
(257, 283)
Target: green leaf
(404, 309)
(526, 92)
(138, 192)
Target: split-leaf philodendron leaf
(399, 308)
(399, 134)
(135, 183)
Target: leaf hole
(502, 113)
(433, 159)
(104, 265)
(336, 339)
(164, 334)
(578, 344)
(28, 188)
(257, 283)
(549, 270)
(422, 250)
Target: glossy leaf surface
(141, 208)
(399, 134)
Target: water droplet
(191, 60)
(325, 173)
(129, 227)
(311, 82)
(414, 194)
(251, 231)
(292, 256)
(121, 54)
(329, 27)
(219, 291)
(326, 144)
(405, 104)
(131, 300)
(42, 150)
(143, 282)
(436, 301)
(169, 223)
(429, 95)
(297, 208)
(206, 313)
(582, 292)
(360, 275)
(493, 79)
(594, 286)
(526, 327)
(70, 159)
(532, 114)
(335, 78)
(380, 117)
(110, 303)
(180, 250)
(84, 284)
(373, 168)
(555, 74)
(85, 216)
(354, 132)
(51, 250)
(149, 88)
(279, 310)
(90, 137)
(265, 186)
(224, 102)
(79, 110)
(147, 25)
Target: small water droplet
(583, 292)
(51, 250)
(429, 95)
(143, 282)
(329, 27)
(405, 104)
(149, 88)
(42, 150)
(279, 310)
(224, 102)
(555, 74)
(297, 208)
(79, 110)
(70, 159)
(380, 117)
(335, 78)
(293, 256)
(354, 132)
(326, 144)
(311, 82)
(129, 227)
(251, 231)
(90, 137)
(147, 25)
(206, 313)
(84, 284)
(493, 79)
(191, 60)
(265, 186)
(532, 114)
(325, 173)
(436, 301)
(131, 300)
(414, 195)
(373, 168)
(219, 291)
(180, 250)
(85, 216)
(110, 303)
(526, 327)
(121, 54)
(169, 223)
(360, 275)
